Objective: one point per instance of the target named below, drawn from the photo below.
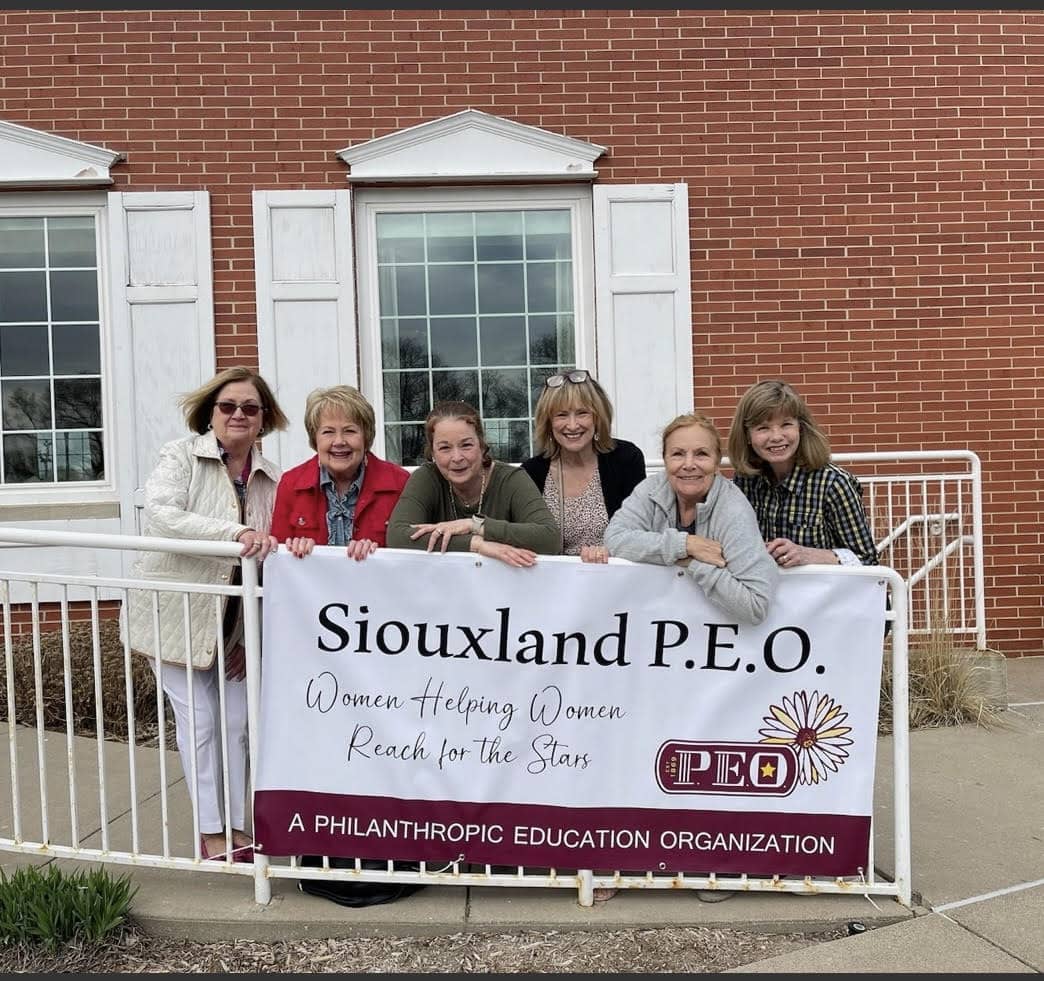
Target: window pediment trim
(32, 158)
(471, 146)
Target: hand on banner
(511, 554)
(789, 554)
(594, 553)
(705, 550)
(440, 532)
(300, 547)
(358, 549)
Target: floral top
(585, 518)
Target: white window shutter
(306, 324)
(163, 325)
(643, 322)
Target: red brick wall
(50, 615)
(864, 186)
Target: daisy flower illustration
(812, 725)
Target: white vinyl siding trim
(644, 322)
(163, 325)
(306, 334)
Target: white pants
(207, 710)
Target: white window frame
(370, 202)
(49, 204)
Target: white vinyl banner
(441, 707)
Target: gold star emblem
(768, 770)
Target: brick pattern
(865, 186)
(50, 616)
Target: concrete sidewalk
(977, 806)
(977, 798)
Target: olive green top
(514, 509)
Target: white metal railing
(115, 788)
(924, 508)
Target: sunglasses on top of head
(250, 409)
(577, 377)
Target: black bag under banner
(357, 894)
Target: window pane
(74, 295)
(504, 393)
(405, 443)
(503, 340)
(402, 291)
(50, 350)
(462, 309)
(27, 458)
(452, 289)
(499, 235)
(500, 288)
(454, 342)
(551, 339)
(23, 351)
(450, 238)
(70, 242)
(404, 342)
(406, 395)
(550, 287)
(75, 349)
(548, 235)
(508, 438)
(23, 296)
(461, 385)
(27, 404)
(21, 243)
(79, 456)
(77, 403)
(400, 238)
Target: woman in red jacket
(344, 495)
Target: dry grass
(947, 686)
(82, 703)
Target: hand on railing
(256, 545)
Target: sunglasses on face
(576, 377)
(250, 409)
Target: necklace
(478, 504)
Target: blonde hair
(453, 409)
(763, 401)
(687, 419)
(198, 405)
(343, 400)
(573, 395)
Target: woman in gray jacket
(690, 515)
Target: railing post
(252, 642)
(901, 738)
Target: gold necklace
(463, 503)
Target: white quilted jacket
(189, 495)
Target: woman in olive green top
(464, 501)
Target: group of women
(585, 493)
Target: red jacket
(300, 504)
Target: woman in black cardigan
(583, 473)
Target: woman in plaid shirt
(809, 510)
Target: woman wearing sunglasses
(582, 471)
(462, 500)
(211, 485)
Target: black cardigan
(620, 471)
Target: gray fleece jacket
(644, 530)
